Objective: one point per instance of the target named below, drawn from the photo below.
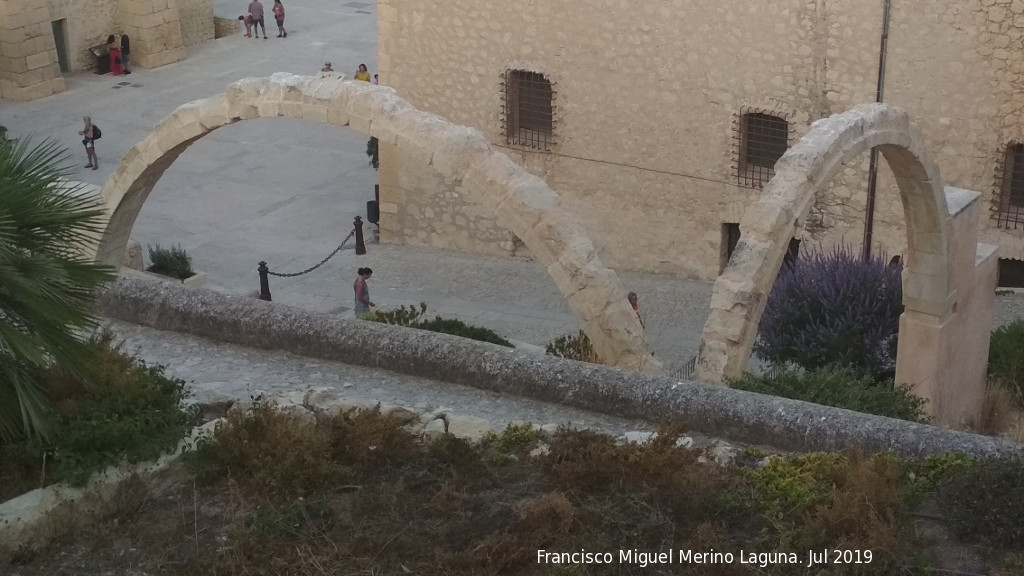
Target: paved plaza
(286, 191)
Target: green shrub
(925, 474)
(413, 318)
(460, 328)
(400, 316)
(789, 487)
(1005, 358)
(983, 501)
(517, 438)
(811, 500)
(132, 413)
(173, 262)
(574, 347)
(834, 308)
(372, 150)
(838, 387)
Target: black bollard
(360, 246)
(264, 281)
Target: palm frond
(45, 282)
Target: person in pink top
(278, 11)
(256, 11)
(247, 20)
(114, 50)
(634, 302)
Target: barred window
(1008, 201)
(527, 109)
(761, 140)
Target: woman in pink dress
(115, 56)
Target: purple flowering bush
(834, 309)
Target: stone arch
(522, 203)
(740, 293)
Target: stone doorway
(60, 41)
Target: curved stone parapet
(523, 203)
(740, 293)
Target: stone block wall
(196, 21)
(155, 31)
(28, 59)
(417, 208)
(224, 27)
(89, 23)
(647, 97)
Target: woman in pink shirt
(114, 49)
(279, 16)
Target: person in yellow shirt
(362, 73)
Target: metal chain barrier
(265, 273)
(322, 262)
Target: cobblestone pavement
(217, 371)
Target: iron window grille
(527, 113)
(761, 139)
(1008, 200)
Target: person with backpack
(90, 134)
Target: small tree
(173, 262)
(834, 309)
(574, 347)
(372, 152)
(1006, 358)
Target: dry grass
(999, 411)
(276, 494)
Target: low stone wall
(721, 412)
(224, 27)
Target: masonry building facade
(658, 122)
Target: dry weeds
(273, 494)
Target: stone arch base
(523, 203)
(948, 278)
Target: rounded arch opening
(522, 203)
(741, 291)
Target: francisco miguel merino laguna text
(762, 559)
